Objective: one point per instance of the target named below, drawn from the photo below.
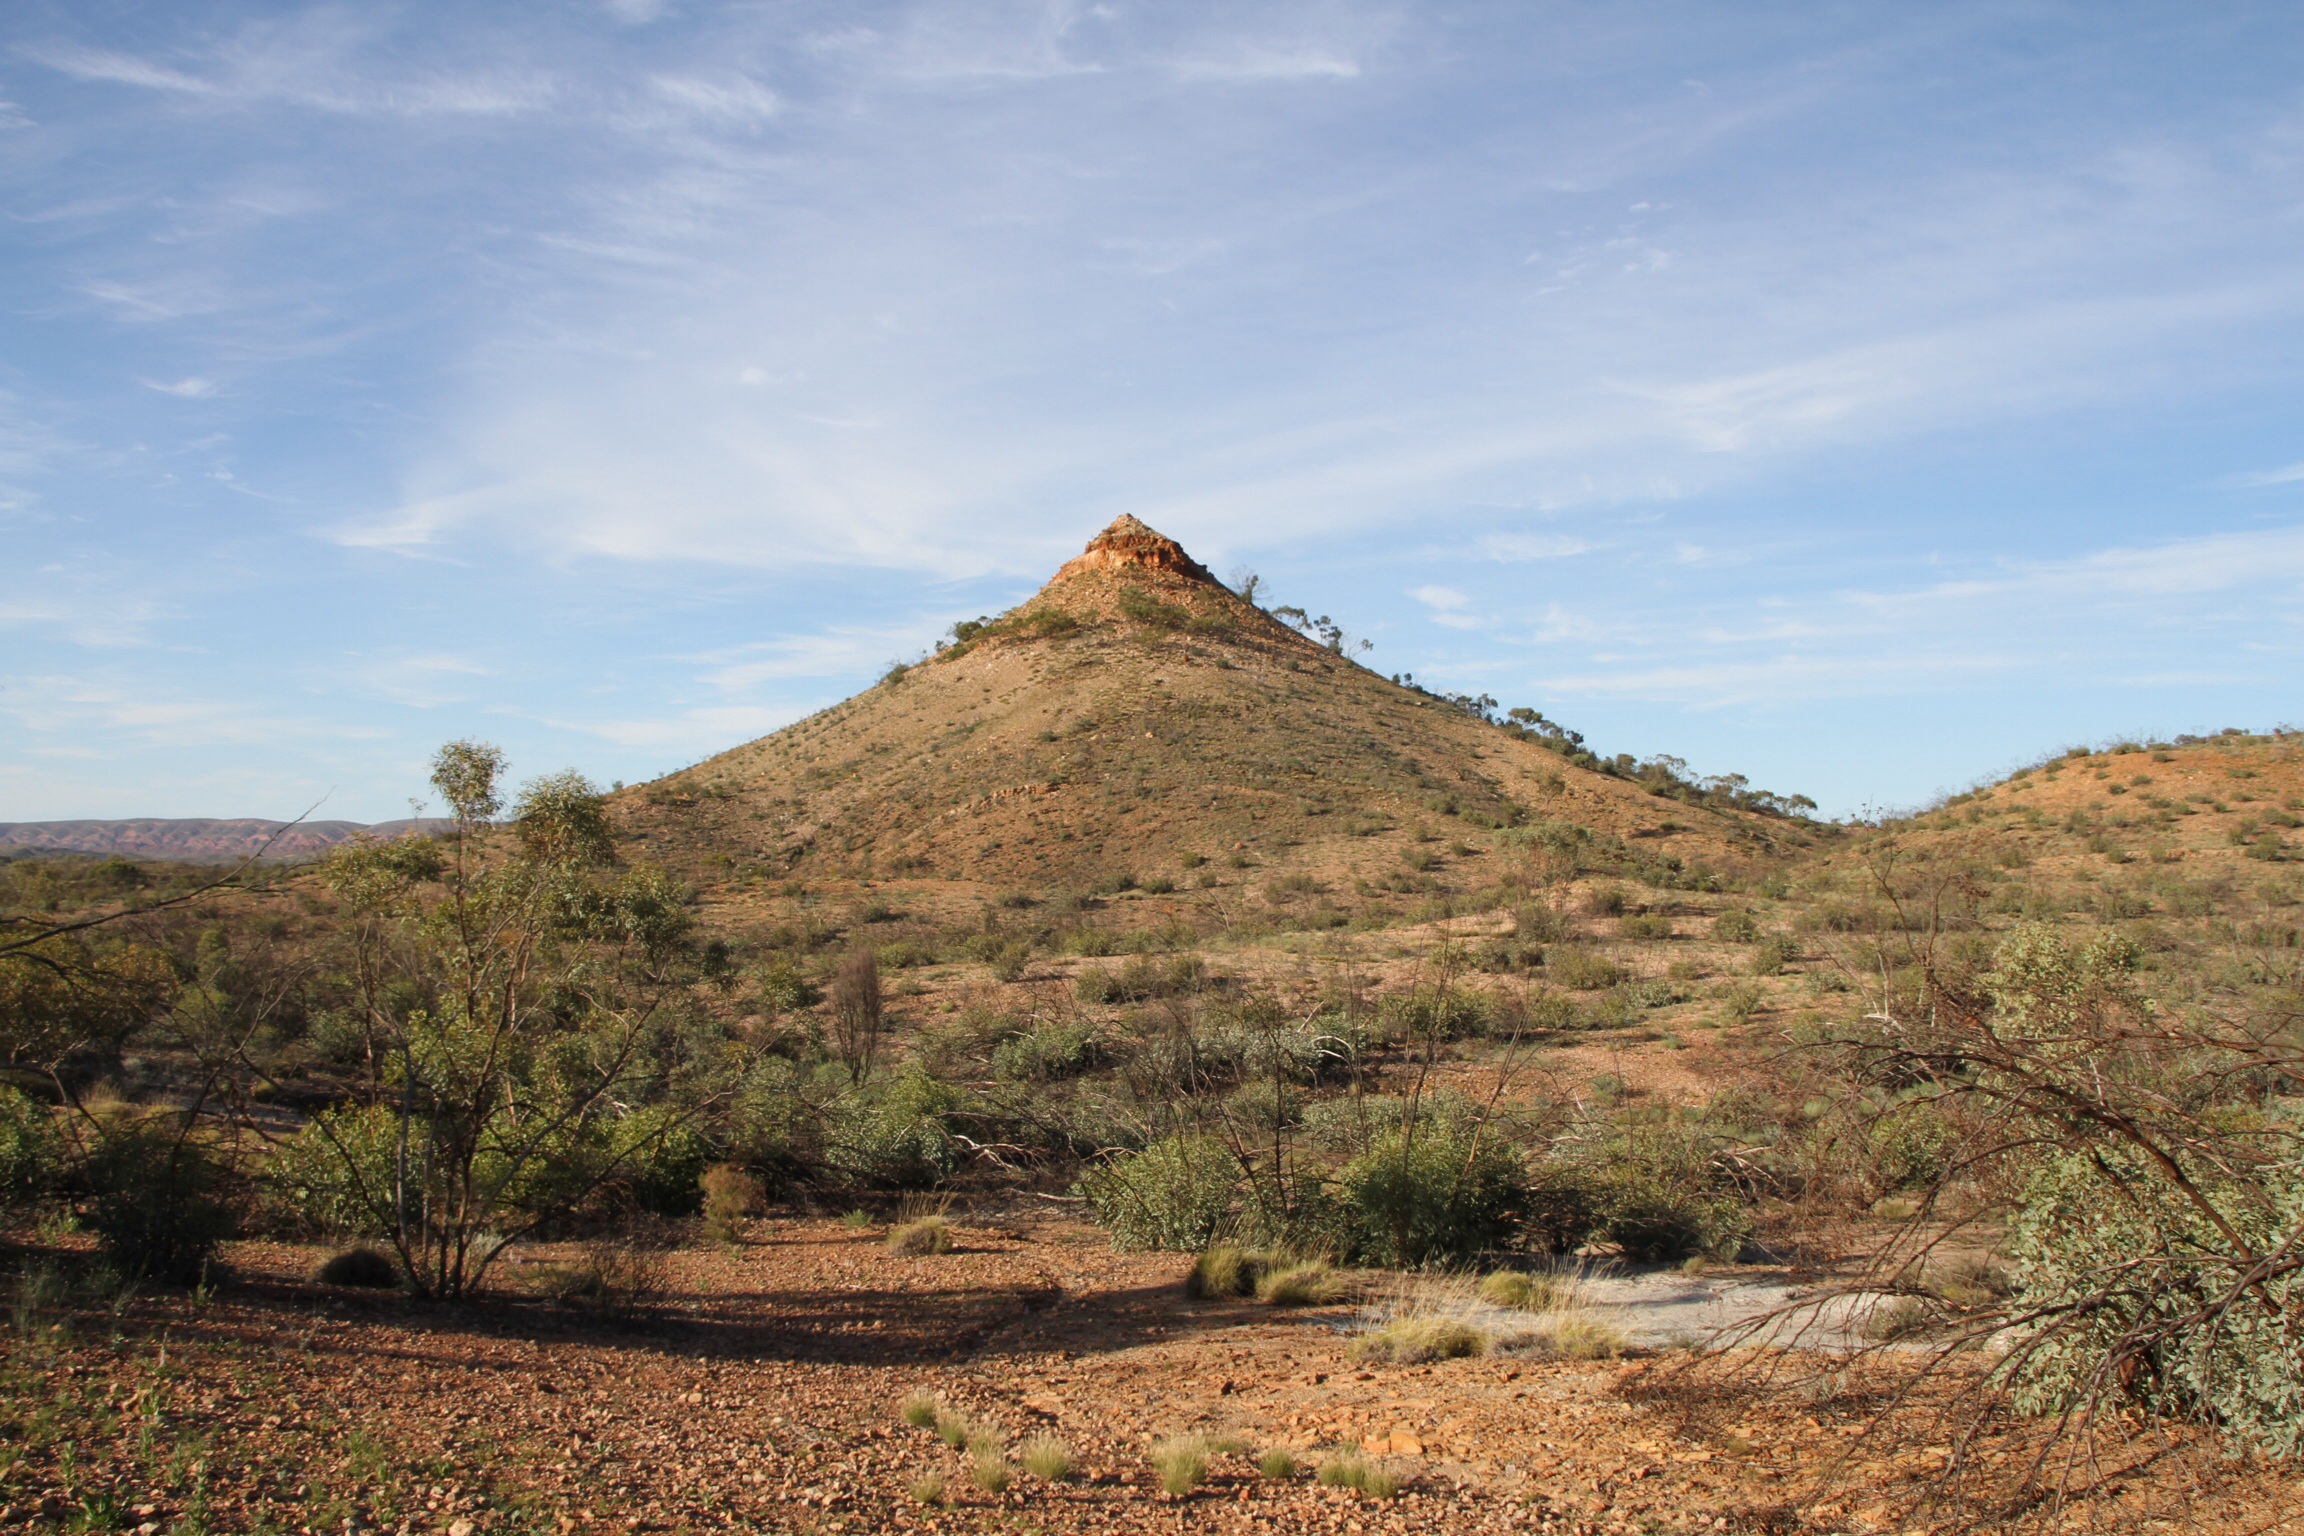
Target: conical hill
(1136, 718)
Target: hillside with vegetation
(1138, 1059)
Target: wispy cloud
(2287, 476)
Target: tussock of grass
(918, 1410)
(1364, 1477)
(1224, 1271)
(1521, 1292)
(1575, 1336)
(952, 1429)
(1047, 1458)
(991, 1474)
(1181, 1463)
(928, 1489)
(1901, 1318)
(1303, 1285)
(367, 1268)
(1414, 1340)
(857, 1220)
(1276, 1464)
(918, 1239)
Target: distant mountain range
(197, 839)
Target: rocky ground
(761, 1391)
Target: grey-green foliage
(1175, 1194)
(29, 1148)
(2126, 1277)
(1047, 1052)
(893, 1134)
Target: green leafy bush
(1580, 970)
(1735, 926)
(1175, 1194)
(1431, 1192)
(1048, 1053)
(30, 1151)
(895, 1136)
(334, 1177)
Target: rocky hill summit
(1136, 720)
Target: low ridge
(1136, 717)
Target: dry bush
(919, 1239)
(730, 1196)
(856, 1012)
(620, 1272)
(1224, 1271)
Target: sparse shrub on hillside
(1434, 1013)
(1175, 1194)
(1735, 926)
(1772, 954)
(1048, 1053)
(1580, 970)
(1644, 929)
(1607, 901)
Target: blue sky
(1863, 398)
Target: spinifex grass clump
(1415, 1340)
(1047, 1458)
(1181, 1463)
(918, 1410)
(952, 1428)
(1223, 1271)
(1520, 1292)
(928, 1489)
(918, 1239)
(1364, 1477)
(1303, 1285)
(1277, 1465)
(366, 1268)
(990, 1473)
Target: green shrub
(918, 1410)
(1653, 1220)
(893, 1135)
(1906, 1146)
(159, 1210)
(1175, 1194)
(1277, 1465)
(1735, 926)
(1443, 1192)
(1447, 1013)
(1048, 1053)
(30, 1151)
(1772, 954)
(655, 1160)
(334, 1177)
(1644, 928)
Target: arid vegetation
(840, 1135)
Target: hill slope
(1133, 718)
(195, 839)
